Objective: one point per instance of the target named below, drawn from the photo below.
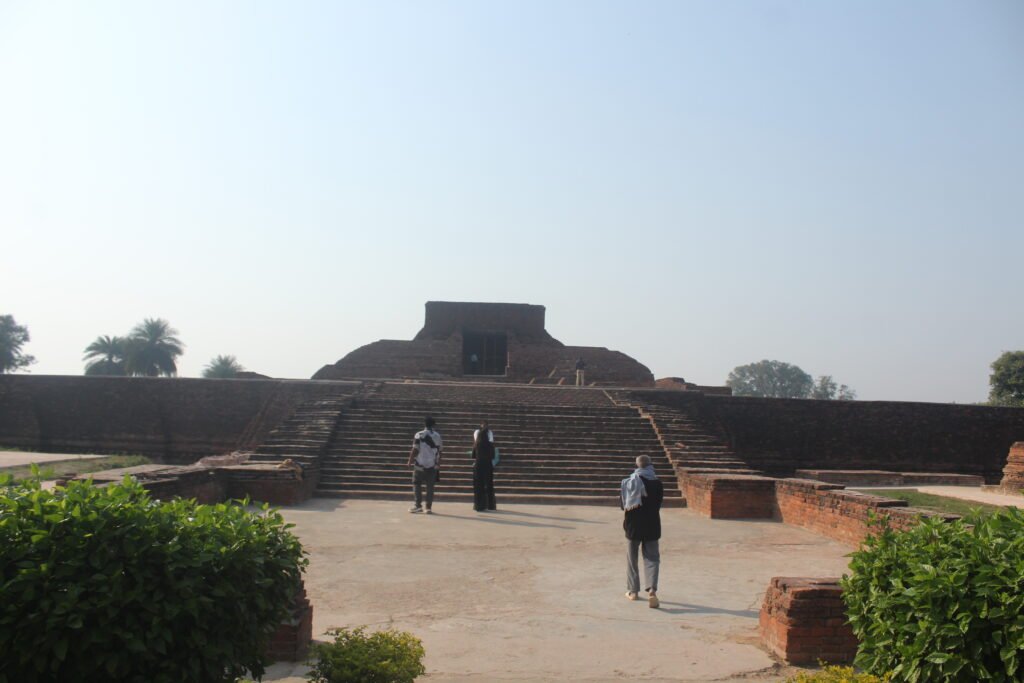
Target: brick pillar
(1013, 473)
(804, 620)
(292, 638)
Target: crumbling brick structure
(803, 621)
(498, 341)
(1013, 473)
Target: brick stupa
(492, 341)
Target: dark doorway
(484, 353)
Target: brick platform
(886, 478)
(293, 637)
(803, 621)
(265, 483)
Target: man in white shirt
(425, 459)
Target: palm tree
(105, 356)
(223, 367)
(152, 348)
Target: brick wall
(729, 496)
(803, 621)
(438, 359)
(832, 511)
(291, 641)
(445, 318)
(779, 436)
(172, 419)
(826, 509)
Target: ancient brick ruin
(803, 621)
(347, 433)
(499, 342)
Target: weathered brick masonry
(173, 419)
(730, 496)
(291, 641)
(265, 483)
(779, 436)
(1013, 473)
(803, 621)
(826, 509)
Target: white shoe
(427, 512)
(653, 602)
(415, 508)
(630, 595)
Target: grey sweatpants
(421, 476)
(652, 559)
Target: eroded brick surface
(803, 621)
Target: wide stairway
(692, 445)
(559, 446)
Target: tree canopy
(12, 337)
(1007, 380)
(775, 379)
(223, 367)
(770, 378)
(151, 349)
(826, 389)
(106, 356)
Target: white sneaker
(630, 595)
(415, 508)
(427, 512)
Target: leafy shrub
(380, 657)
(942, 601)
(106, 584)
(836, 674)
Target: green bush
(380, 657)
(106, 584)
(835, 674)
(942, 601)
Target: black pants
(483, 487)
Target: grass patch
(930, 501)
(62, 469)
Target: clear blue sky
(838, 185)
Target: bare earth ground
(536, 593)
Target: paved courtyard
(535, 593)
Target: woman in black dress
(483, 469)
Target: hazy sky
(838, 185)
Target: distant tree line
(775, 379)
(151, 349)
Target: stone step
(619, 470)
(500, 483)
(403, 473)
(445, 487)
(553, 446)
(442, 503)
(621, 459)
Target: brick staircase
(691, 445)
(561, 446)
(563, 374)
(306, 434)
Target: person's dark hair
(428, 422)
(481, 435)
